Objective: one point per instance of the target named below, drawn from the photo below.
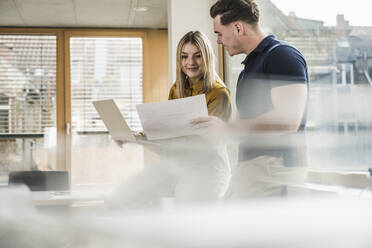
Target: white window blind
(104, 68)
(27, 83)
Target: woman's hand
(120, 143)
(138, 136)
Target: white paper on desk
(169, 119)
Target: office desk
(69, 202)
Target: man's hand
(209, 125)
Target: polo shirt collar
(261, 47)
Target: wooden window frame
(60, 84)
(63, 84)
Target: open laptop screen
(114, 120)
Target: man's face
(227, 36)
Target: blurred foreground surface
(310, 221)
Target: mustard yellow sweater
(218, 98)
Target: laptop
(119, 129)
(114, 120)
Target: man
(271, 93)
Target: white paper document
(169, 119)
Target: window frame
(60, 84)
(63, 81)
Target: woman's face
(191, 62)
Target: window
(27, 100)
(48, 78)
(104, 68)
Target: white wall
(185, 16)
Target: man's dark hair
(236, 10)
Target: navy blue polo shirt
(271, 64)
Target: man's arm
(289, 103)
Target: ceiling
(83, 13)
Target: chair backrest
(41, 180)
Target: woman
(192, 168)
(196, 75)
(204, 170)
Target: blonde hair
(210, 76)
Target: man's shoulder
(278, 47)
(275, 51)
(285, 60)
(280, 51)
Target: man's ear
(239, 27)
